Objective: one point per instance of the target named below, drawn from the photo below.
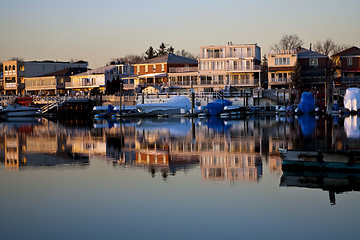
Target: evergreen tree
(162, 49)
(170, 50)
(264, 72)
(150, 53)
(296, 76)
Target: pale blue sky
(98, 31)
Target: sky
(98, 31)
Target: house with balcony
(52, 83)
(310, 64)
(98, 78)
(281, 64)
(236, 66)
(154, 72)
(348, 73)
(16, 71)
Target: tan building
(16, 71)
(52, 83)
(232, 66)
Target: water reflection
(224, 150)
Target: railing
(226, 55)
(85, 84)
(10, 85)
(249, 68)
(280, 80)
(182, 69)
(244, 82)
(290, 51)
(350, 79)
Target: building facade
(232, 66)
(16, 71)
(311, 67)
(348, 73)
(155, 71)
(52, 83)
(97, 78)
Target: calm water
(175, 179)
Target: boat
(333, 182)
(14, 110)
(352, 99)
(307, 104)
(216, 107)
(321, 160)
(174, 106)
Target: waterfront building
(154, 72)
(16, 71)
(98, 78)
(348, 73)
(52, 83)
(236, 66)
(232, 66)
(283, 63)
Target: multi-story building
(282, 63)
(98, 78)
(16, 71)
(52, 83)
(348, 74)
(233, 65)
(154, 72)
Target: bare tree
(329, 47)
(16, 59)
(129, 59)
(288, 42)
(186, 54)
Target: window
(349, 61)
(13, 67)
(162, 67)
(272, 75)
(138, 70)
(146, 68)
(154, 68)
(313, 61)
(6, 68)
(282, 61)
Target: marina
(120, 172)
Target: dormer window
(313, 61)
(349, 61)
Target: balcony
(182, 69)
(79, 85)
(279, 81)
(10, 85)
(243, 68)
(350, 80)
(227, 55)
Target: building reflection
(231, 150)
(332, 182)
(37, 144)
(338, 140)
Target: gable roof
(100, 70)
(306, 53)
(353, 51)
(65, 72)
(169, 58)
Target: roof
(169, 58)
(65, 72)
(353, 51)
(100, 70)
(306, 53)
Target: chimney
(310, 46)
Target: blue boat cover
(216, 107)
(307, 104)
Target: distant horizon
(97, 32)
